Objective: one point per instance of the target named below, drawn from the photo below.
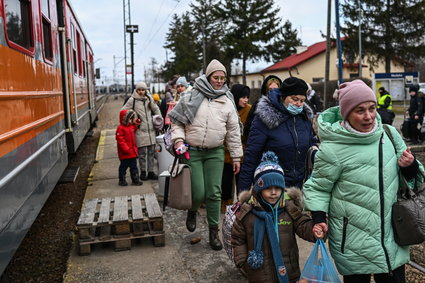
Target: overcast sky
(102, 21)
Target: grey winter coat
(145, 107)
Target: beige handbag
(180, 186)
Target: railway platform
(176, 261)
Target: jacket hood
(125, 116)
(239, 91)
(292, 193)
(273, 113)
(331, 130)
(264, 84)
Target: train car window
(84, 57)
(18, 22)
(45, 8)
(47, 39)
(74, 49)
(47, 30)
(80, 63)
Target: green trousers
(207, 170)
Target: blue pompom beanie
(268, 173)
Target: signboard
(132, 28)
(396, 75)
(128, 70)
(395, 83)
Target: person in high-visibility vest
(385, 106)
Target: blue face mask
(294, 110)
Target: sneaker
(122, 183)
(152, 176)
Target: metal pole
(132, 58)
(338, 39)
(328, 55)
(129, 13)
(125, 48)
(132, 54)
(360, 40)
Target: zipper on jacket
(344, 233)
(206, 124)
(296, 147)
(381, 198)
(147, 120)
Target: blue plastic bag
(319, 266)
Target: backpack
(309, 162)
(228, 220)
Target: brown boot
(215, 242)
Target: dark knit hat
(414, 88)
(293, 86)
(238, 91)
(268, 173)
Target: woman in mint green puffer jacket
(347, 188)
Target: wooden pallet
(120, 220)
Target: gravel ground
(43, 254)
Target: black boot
(135, 178)
(152, 176)
(122, 183)
(215, 242)
(191, 220)
(143, 176)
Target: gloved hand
(182, 149)
(137, 121)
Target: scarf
(184, 112)
(267, 222)
(347, 126)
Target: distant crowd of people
(256, 154)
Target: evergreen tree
(283, 45)
(207, 30)
(391, 29)
(249, 25)
(181, 41)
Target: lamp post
(360, 39)
(338, 40)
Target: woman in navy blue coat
(283, 125)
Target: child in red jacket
(127, 147)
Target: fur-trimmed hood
(126, 115)
(292, 193)
(272, 112)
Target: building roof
(296, 59)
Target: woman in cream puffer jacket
(201, 122)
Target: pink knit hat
(352, 94)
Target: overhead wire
(156, 33)
(154, 22)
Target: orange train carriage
(47, 105)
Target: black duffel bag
(408, 215)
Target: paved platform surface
(177, 261)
